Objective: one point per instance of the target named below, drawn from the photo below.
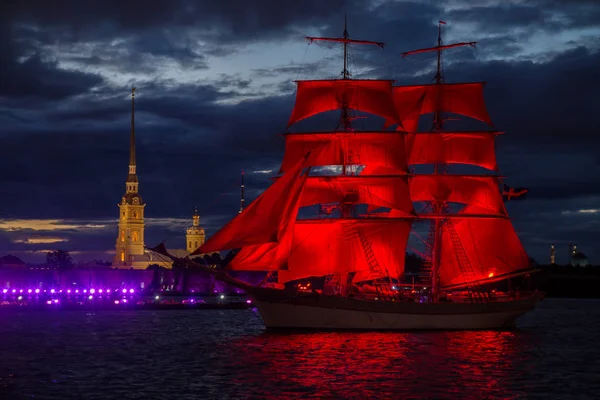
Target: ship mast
(438, 126)
(346, 206)
(345, 40)
(346, 119)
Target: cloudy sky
(215, 88)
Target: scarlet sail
(373, 149)
(336, 246)
(371, 96)
(490, 247)
(472, 148)
(267, 217)
(383, 191)
(480, 193)
(457, 98)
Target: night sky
(214, 88)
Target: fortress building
(129, 248)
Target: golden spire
(132, 136)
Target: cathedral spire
(132, 136)
(132, 179)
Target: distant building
(579, 260)
(12, 262)
(195, 235)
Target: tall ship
(332, 230)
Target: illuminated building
(195, 235)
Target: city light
(100, 296)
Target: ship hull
(331, 313)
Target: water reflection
(380, 365)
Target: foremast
(347, 203)
(346, 119)
(344, 242)
(452, 260)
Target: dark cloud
(230, 21)
(67, 68)
(536, 15)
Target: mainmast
(438, 126)
(439, 79)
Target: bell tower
(195, 235)
(130, 239)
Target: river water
(213, 354)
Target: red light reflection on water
(434, 365)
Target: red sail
(259, 257)
(264, 257)
(383, 191)
(479, 192)
(332, 246)
(491, 248)
(476, 148)
(372, 96)
(265, 219)
(373, 149)
(457, 98)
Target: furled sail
(490, 247)
(472, 148)
(318, 96)
(265, 219)
(339, 246)
(373, 149)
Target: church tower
(195, 235)
(130, 239)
